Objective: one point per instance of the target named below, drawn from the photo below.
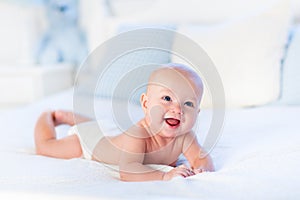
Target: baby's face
(171, 104)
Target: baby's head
(171, 103)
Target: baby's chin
(171, 133)
(168, 134)
(163, 132)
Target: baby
(171, 106)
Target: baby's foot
(63, 117)
(67, 117)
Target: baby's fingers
(184, 172)
(200, 170)
(189, 170)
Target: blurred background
(44, 42)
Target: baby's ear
(144, 101)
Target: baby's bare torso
(109, 150)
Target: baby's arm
(131, 161)
(132, 167)
(199, 160)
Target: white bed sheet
(257, 157)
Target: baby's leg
(46, 142)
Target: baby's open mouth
(172, 121)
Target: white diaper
(89, 135)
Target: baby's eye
(167, 98)
(188, 103)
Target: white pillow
(100, 18)
(179, 11)
(296, 9)
(18, 33)
(93, 20)
(290, 94)
(247, 53)
(127, 74)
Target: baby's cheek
(155, 118)
(190, 119)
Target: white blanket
(257, 157)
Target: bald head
(177, 72)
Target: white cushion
(18, 33)
(128, 71)
(296, 9)
(101, 18)
(94, 15)
(290, 94)
(187, 11)
(247, 53)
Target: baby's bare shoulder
(186, 136)
(131, 140)
(137, 131)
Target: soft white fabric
(247, 53)
(290, 93)
(19, 33)
(127, 76)
(93, 19)
(296, 9)
(100, 18)
(178, 11)
(246, 50)
(257, 157)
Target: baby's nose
(176, 108)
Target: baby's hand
(181, 170)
